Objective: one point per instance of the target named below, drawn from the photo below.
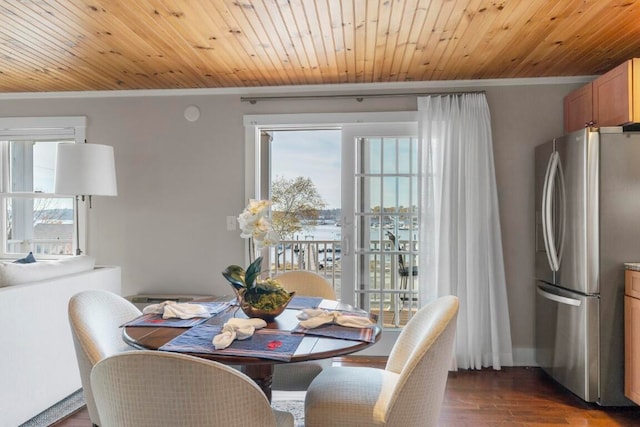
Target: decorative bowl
(266, 315)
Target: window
(34, 219)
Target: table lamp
(85, 170)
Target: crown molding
(306, 89)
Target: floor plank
(513, 397)
(522, 397)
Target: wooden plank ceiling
(78, 45)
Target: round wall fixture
(192, 113)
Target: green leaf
(266, 287)
(235, 275)
(253, 272)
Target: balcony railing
(320, 256)
(41, 246)
(391, 291)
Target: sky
(316, 154)
(312, 154)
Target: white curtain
(460, 225)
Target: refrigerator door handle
(559, 298)
(545, 221)
(562, 215)
(554, 169)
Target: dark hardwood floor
(513, 397)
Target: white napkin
(236, 328)
(314, 317)
(172, 309)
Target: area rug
(58, 411)
(295, 407)
(76, 401)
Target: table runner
(265, 343)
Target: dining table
(283, 340)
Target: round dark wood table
(259, 369)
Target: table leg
(262, 375)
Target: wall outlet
(231, 223)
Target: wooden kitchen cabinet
(578, 108)
(632, 335)
(616, 95)
(613, 99)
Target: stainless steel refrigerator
(587, 226)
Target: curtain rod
(359, 98)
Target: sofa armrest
(12, 273)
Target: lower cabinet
(632, 336)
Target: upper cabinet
(612, 99)
(578, 108)
(616, 95)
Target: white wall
(179, 180)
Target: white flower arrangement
(262, 294)
(255, 224)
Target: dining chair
(306, 283)
(146, 388)
(95, 317)
(298, 376)
(407, 392)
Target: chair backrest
(95, 317)
(422, 356)
(307, 283)
(154, 388)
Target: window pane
(404, 192)
(21, 166)
(44, 166)
(390, 157)
(374, 147)
(405, 156)
(33, 166)
(390, 194)
(41, 225)
(371, 193)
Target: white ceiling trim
(307, 89)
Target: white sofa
(38, 366)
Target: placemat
(298, 303)
(265, 343)
(341, 332)
(152, 319)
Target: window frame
(69, 128)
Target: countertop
(632, 266)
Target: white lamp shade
(85, 170)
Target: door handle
(546, 211)
(562, 213)
(555, 177)
(559, 298)
(346, 243)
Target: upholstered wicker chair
(408, 392)
(155, 389)
(95, 317)
(307, 283)
(298, 376)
